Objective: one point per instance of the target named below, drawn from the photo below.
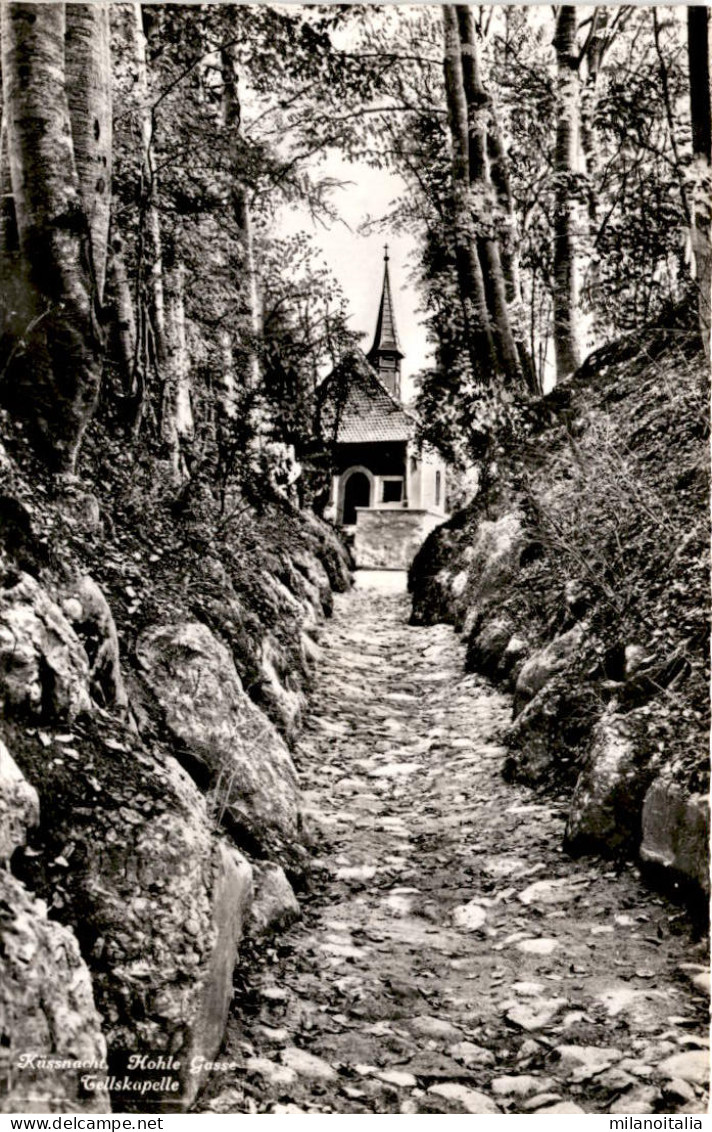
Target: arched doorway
(357, 493)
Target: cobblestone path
(451, 958)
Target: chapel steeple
(385, 353)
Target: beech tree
(481, 220)
(57, 122)
(484, 201)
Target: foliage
(630, 188)
(304, 336)
(622, 540)
(206, 154)
(207, 169)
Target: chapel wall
(389, 540)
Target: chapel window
(392, 491)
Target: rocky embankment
(579, 581)
(152, 677)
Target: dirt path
(451, 957)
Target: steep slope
(155, 651)
(579, 578)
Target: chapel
(388, 489)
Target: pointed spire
(386, 336)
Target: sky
(357, 260)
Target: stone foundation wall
(388, 539)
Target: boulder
(606, 805)
(328, 548)
(492, 561)
(487, 645)
(275, 906)
(19, 805)
(19, 542)
(532, 739)
(546, 663)
(465, 567)
(230, 899)
(171, 942)
(283, 704)
(88, 610)
(514, 656)
(47, 1012)
(550, 733)
(44, 670)
(316, 579)
(494, 557)
(227, 743)
(676, 831)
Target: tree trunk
(593, 54)
(54, 376)
(150, 240)
(88, 83)
(8, 225)
(499, 171)
(177, 415)
(470, 278)
(128, 354)
(227, 386)
(566, 284)
(699, 31)
(249, 327)
(484, 201)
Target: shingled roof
(366, 411)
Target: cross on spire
(385, 253)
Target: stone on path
(478, 1104)
(397, 1077)
(698, 975)
(640, 1100)
(470, 1054)
(273, 1073)
(678, 1090)
(538, 946)
(580, 1063)
(692, 1066)
(469, 917)
(522, 1087)
(307, 1064)
(535, 1014)
(541, 1101)
(528, 990)
(356, 872)
(551, 891)
(429, 1027)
